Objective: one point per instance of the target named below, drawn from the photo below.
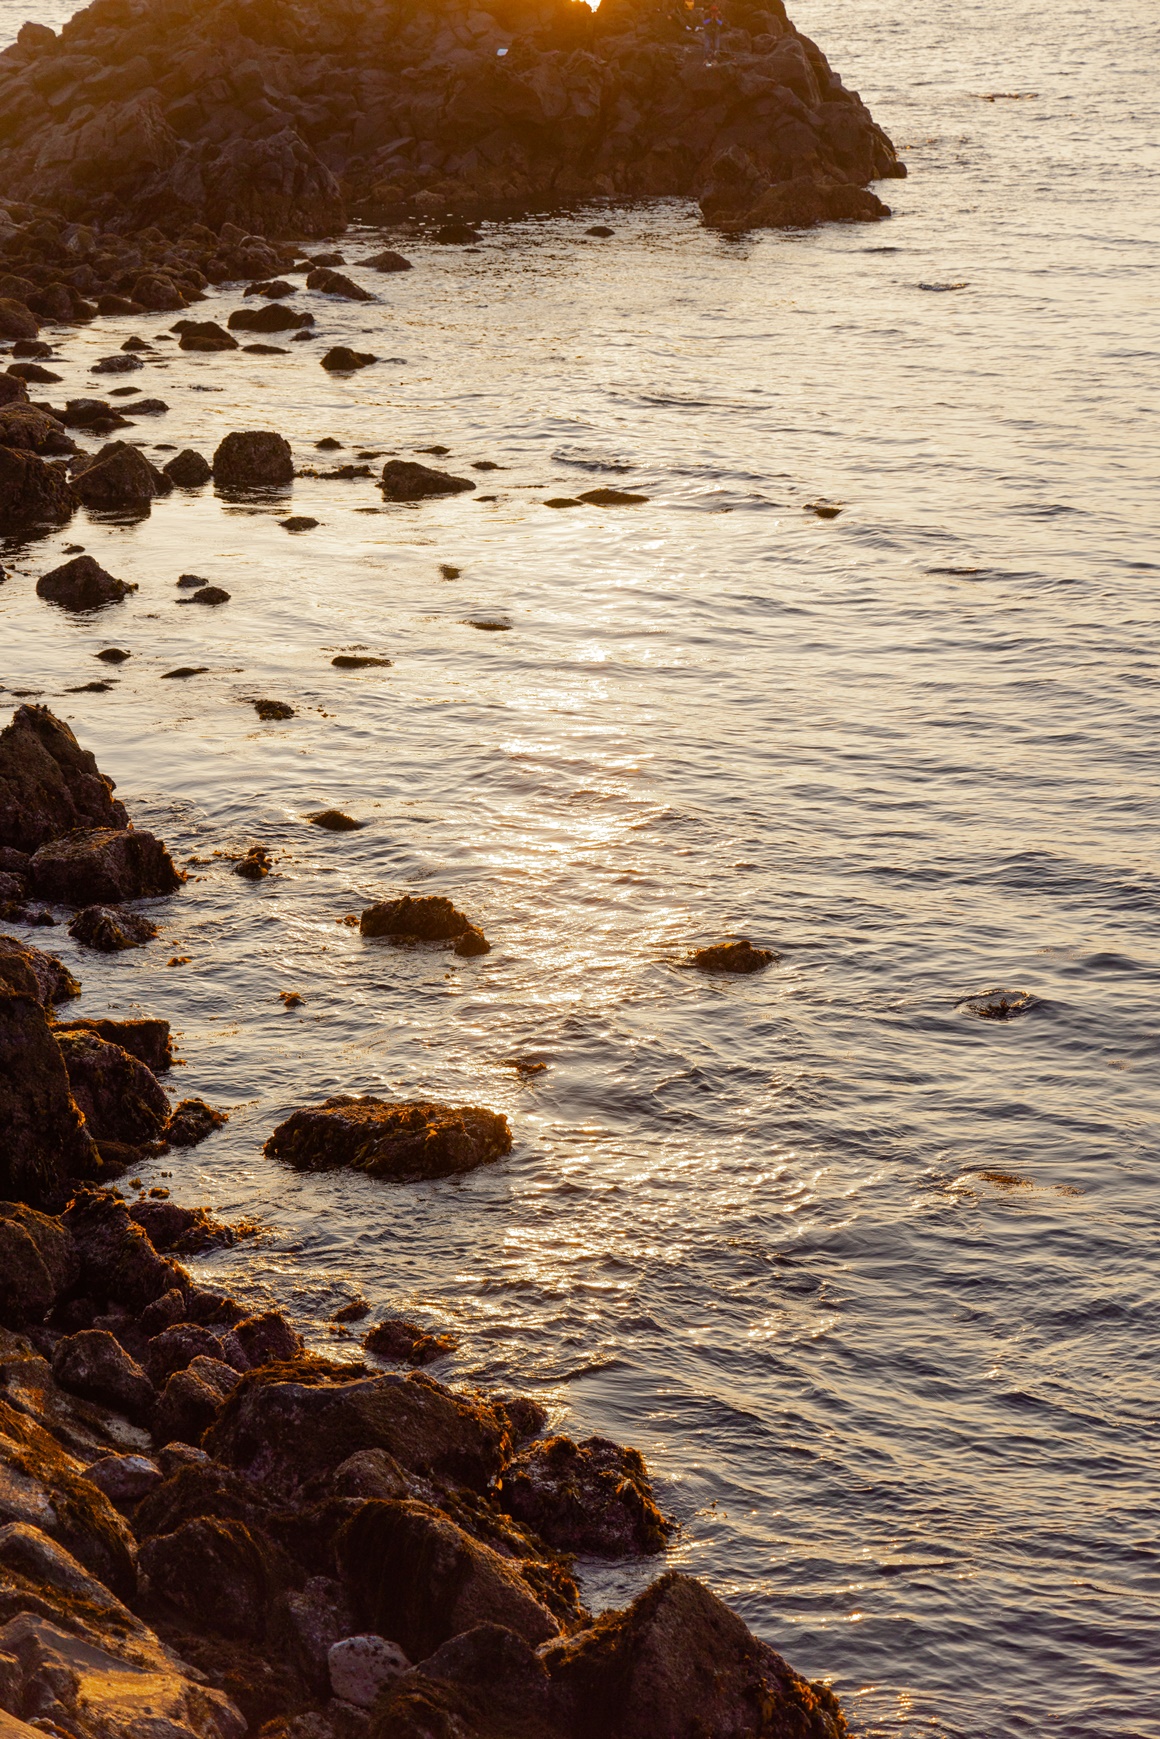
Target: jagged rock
(406, 1343)
(118, 1264)
(285, 1433)
(44, 1488)
(33, 973)
(95, 1365)
(119, 1097)
(103, 866)
(205, 335)
(419, 1579)
(257, 459)
(188, 470)
(333, 283)
(192, 1121)
(585, 1497)
(486, 1683)
(361, 1665)
(32, 492)
(125, 1479)
(82, 584)
(397, 1139)
(111, 932)
(223, 1575)
(118, 476)
(407, 480)
(45, 1142)
(49, 784)
(430, 918)
(179, 1231)
(740, 957)
(16, 320)
(144, 1037)
(37, 1262)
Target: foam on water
(871, 1280)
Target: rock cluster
(289, 119)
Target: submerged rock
(406, 1343)
(407, 480)
(585, 1497)
(406, 1139)
(192, 1121)
(429, 918)
(205, 335)
(740, 956)
(49, 784)
(253, 459)
(103, 866)
(334, 821)
(82, 584)
(111, 932)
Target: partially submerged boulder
(332, 283)
(188, 470)
(407, 480)
(592, 1497)
(118, 476)
(399, 1139)
(109, 931)
(31, 972)
(82, 584)
(49, 784)
(429, 918)
(406, 1343)
(192, 1121)
(253, 459)
(738, 957)
(103, 866)
(204, 335)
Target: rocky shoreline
(207, 1529)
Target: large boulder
(103, 866)
(45, 1143)
(401, 1140)
(119, 1097)
(220, 1574)
(82, 584)
(407, 480)
(118, 476)
(49, 784)
(94, 1364)
(31, 972)
(592, 1497)
(253, 459)
(418, 1579)
(32, 492)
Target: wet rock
(334, 821)
(16, 320)
(178, 1231)
(417, 1578)
(254, 459)
(333, 283)
(611, 498)
(32, 371)
(430, 918)
(678, 1662)
(406, 1343)
(110, 931)
(222, 1575)
(564, 501)
(298, 522)
(272, 318)
(592, 1497)
(37, 1262)
(124, 1479)
(525, 1417)
(192, 1121)
(118, 1264)
(205, 335)
(997, 1004)
(387, 261)
(285, 1433)
(32, 492)
(43, 1489)
(359, 661)
(457, 234)
(114, 655)
(120, 1098)
(49, 784)
(272, 289)
(32, 430)
(361, 1665)
(95, 1365)
(182, 671)
(119, 364)
(341, 360)
(188, 470)
(256, 864)
(268, 710)
(599, 229)
(402, 1140)
(31, 972)
(45, 1142)
(82, 584)
(119, 476)
(268, 1339)
(144, 1037)
(800, 203)
(103, 866)
(407, 480)
(176, 1347)
(739, 956)
(211, 596)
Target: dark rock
(110, 931)
(397, 1139)
(45, 1142)
(184, 670)
(37, 1263)
(358, 661)
(265, 350)
(273, 318)
(17, 321)
(125, 1479)
(406, 480)
(118, 476)
(32, 492)
(82, 584)
(738, 956)
(30, 972)
(187, 1408)
(256, 459)
(525, 1417)
(405, 1343)
(103, 866)
(95, 1365)
(333, 283)
(32, 371)
(220, 1575)
(208, 595)
(272, 288)
(150, 408)
(268, 710)
(188, 470)
(49, 784)
(370, 1473)
(417, 1578)
(486, 1683)
(176, 1347)
(341, 360)
(114, 655)
(118, 1264)
(268, 1339)
(205, 335)
(144, 1037)
(119, 364)
(256, 864)
(12, 391)
(801, 203)
(119, 1097)
(298, 522)
(29, 429)
(611, 498)
(430, 918)
(328, 443)
(592, 1497)
(334, 821)
(192, 1121)
(599, 229)
(179, 1231)
(387, 261)
(457, 234)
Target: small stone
(272, 709)
(448, 571)
(563, 501)
(327, 444)
(265, 350)
(342, 360)
(290, 998)
(406, 1343)
(361, 1665)
(298, 522)
(822, 509)
(116, 365)
(405, 480)
(113, 655)
(188, 470)
(334, 821)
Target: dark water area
(870, 1280)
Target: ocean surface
(871, 1281)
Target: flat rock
(82, 584)
(403, 1140)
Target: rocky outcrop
(45, 1143)
(32, 491)
(430, 918)
(102, 866)
(154, 118)
(586, 1497)
(144, 1037)
(49, 784)
(31, 972)
(395, 1139)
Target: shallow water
(905, 1411)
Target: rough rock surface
(144, 1037)
(45, 1142)
(48, 783)
(82, 584)
(244, 125)
(37, 1262)
(254, 459)
(119, 1097)
(188, 470)
(585, 1497)
(118, 476)
(33, 973)
(430, 918)
(406, 1343)
(32, 492)
(109, 931)
(738, 957)
(95, 1364)
(396, 1139)
(103, 866)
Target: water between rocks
(870, 1280)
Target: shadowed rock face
(409, 1139)
(48, 783)
(45, 1142)
(232, 112)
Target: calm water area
(872, 1282)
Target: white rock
(361, 1665)
(124, 1478)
